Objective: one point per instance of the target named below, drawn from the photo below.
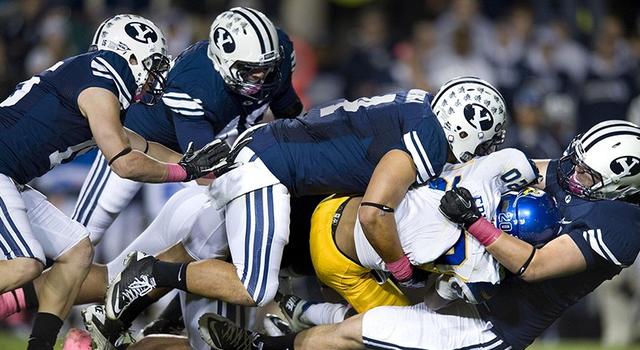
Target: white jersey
(434, 243)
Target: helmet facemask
(578, 178)
(156, 66)
(254, 80)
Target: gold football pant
(355, 283)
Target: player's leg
(356, 284)
(102, 197)
(256, 240)
(193, 307)
(389, 327)
(67, 243)
(22, 257)
(172, 224)
(257, 231)
(221, 333)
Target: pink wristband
(175, 173)
(401, 269)
(484, 231)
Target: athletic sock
(324, 313)
(19, 299)
(135, 309)
(45, 331)
(171, 275)
(284, 342)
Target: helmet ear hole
(463, 135)
(133, 60)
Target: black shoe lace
(238, 338)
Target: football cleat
(106, 334)
(134, 282)
(77, 339)
(293, 307)
(164, 326)
(275, 326)
(222, 334)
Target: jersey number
(24, 87)
(352, 106)
(510, 178)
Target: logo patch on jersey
(625, 166)
(141, 32)
(224, 40)
(478, 116)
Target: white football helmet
(473, 115)
(245, 50)
(141, 43)
(608, 154)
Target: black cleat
(222, 334)
(133, 282)
(106, 334)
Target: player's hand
(205, 160)
(458, 205)
(417, 280)
(229, 162)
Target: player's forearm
(137, 166)
(162, 153)
(510, 252)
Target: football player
(344, 260)
(48, 120)
(378, 146)
(590, 183)
(213, 86)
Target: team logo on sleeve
(625, 166)
(478, 116)
(224, 40)
(141, 32)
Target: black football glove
(205, 160)
(459, 206)
(229, 162)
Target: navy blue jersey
(40, 123)
(197, 105)
(608, 235)
(335, 148)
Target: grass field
(10, 342)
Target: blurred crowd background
(562, 66)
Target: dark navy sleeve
(111, 72)
(612, 235)
(286, 95)
(427, 145)
(189, 118)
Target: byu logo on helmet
(478, 116)
(224, 40)
(141, 32)
(625, 166)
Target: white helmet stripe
(264, 25)
(254, 26)
(604, 126)
(605, 133)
